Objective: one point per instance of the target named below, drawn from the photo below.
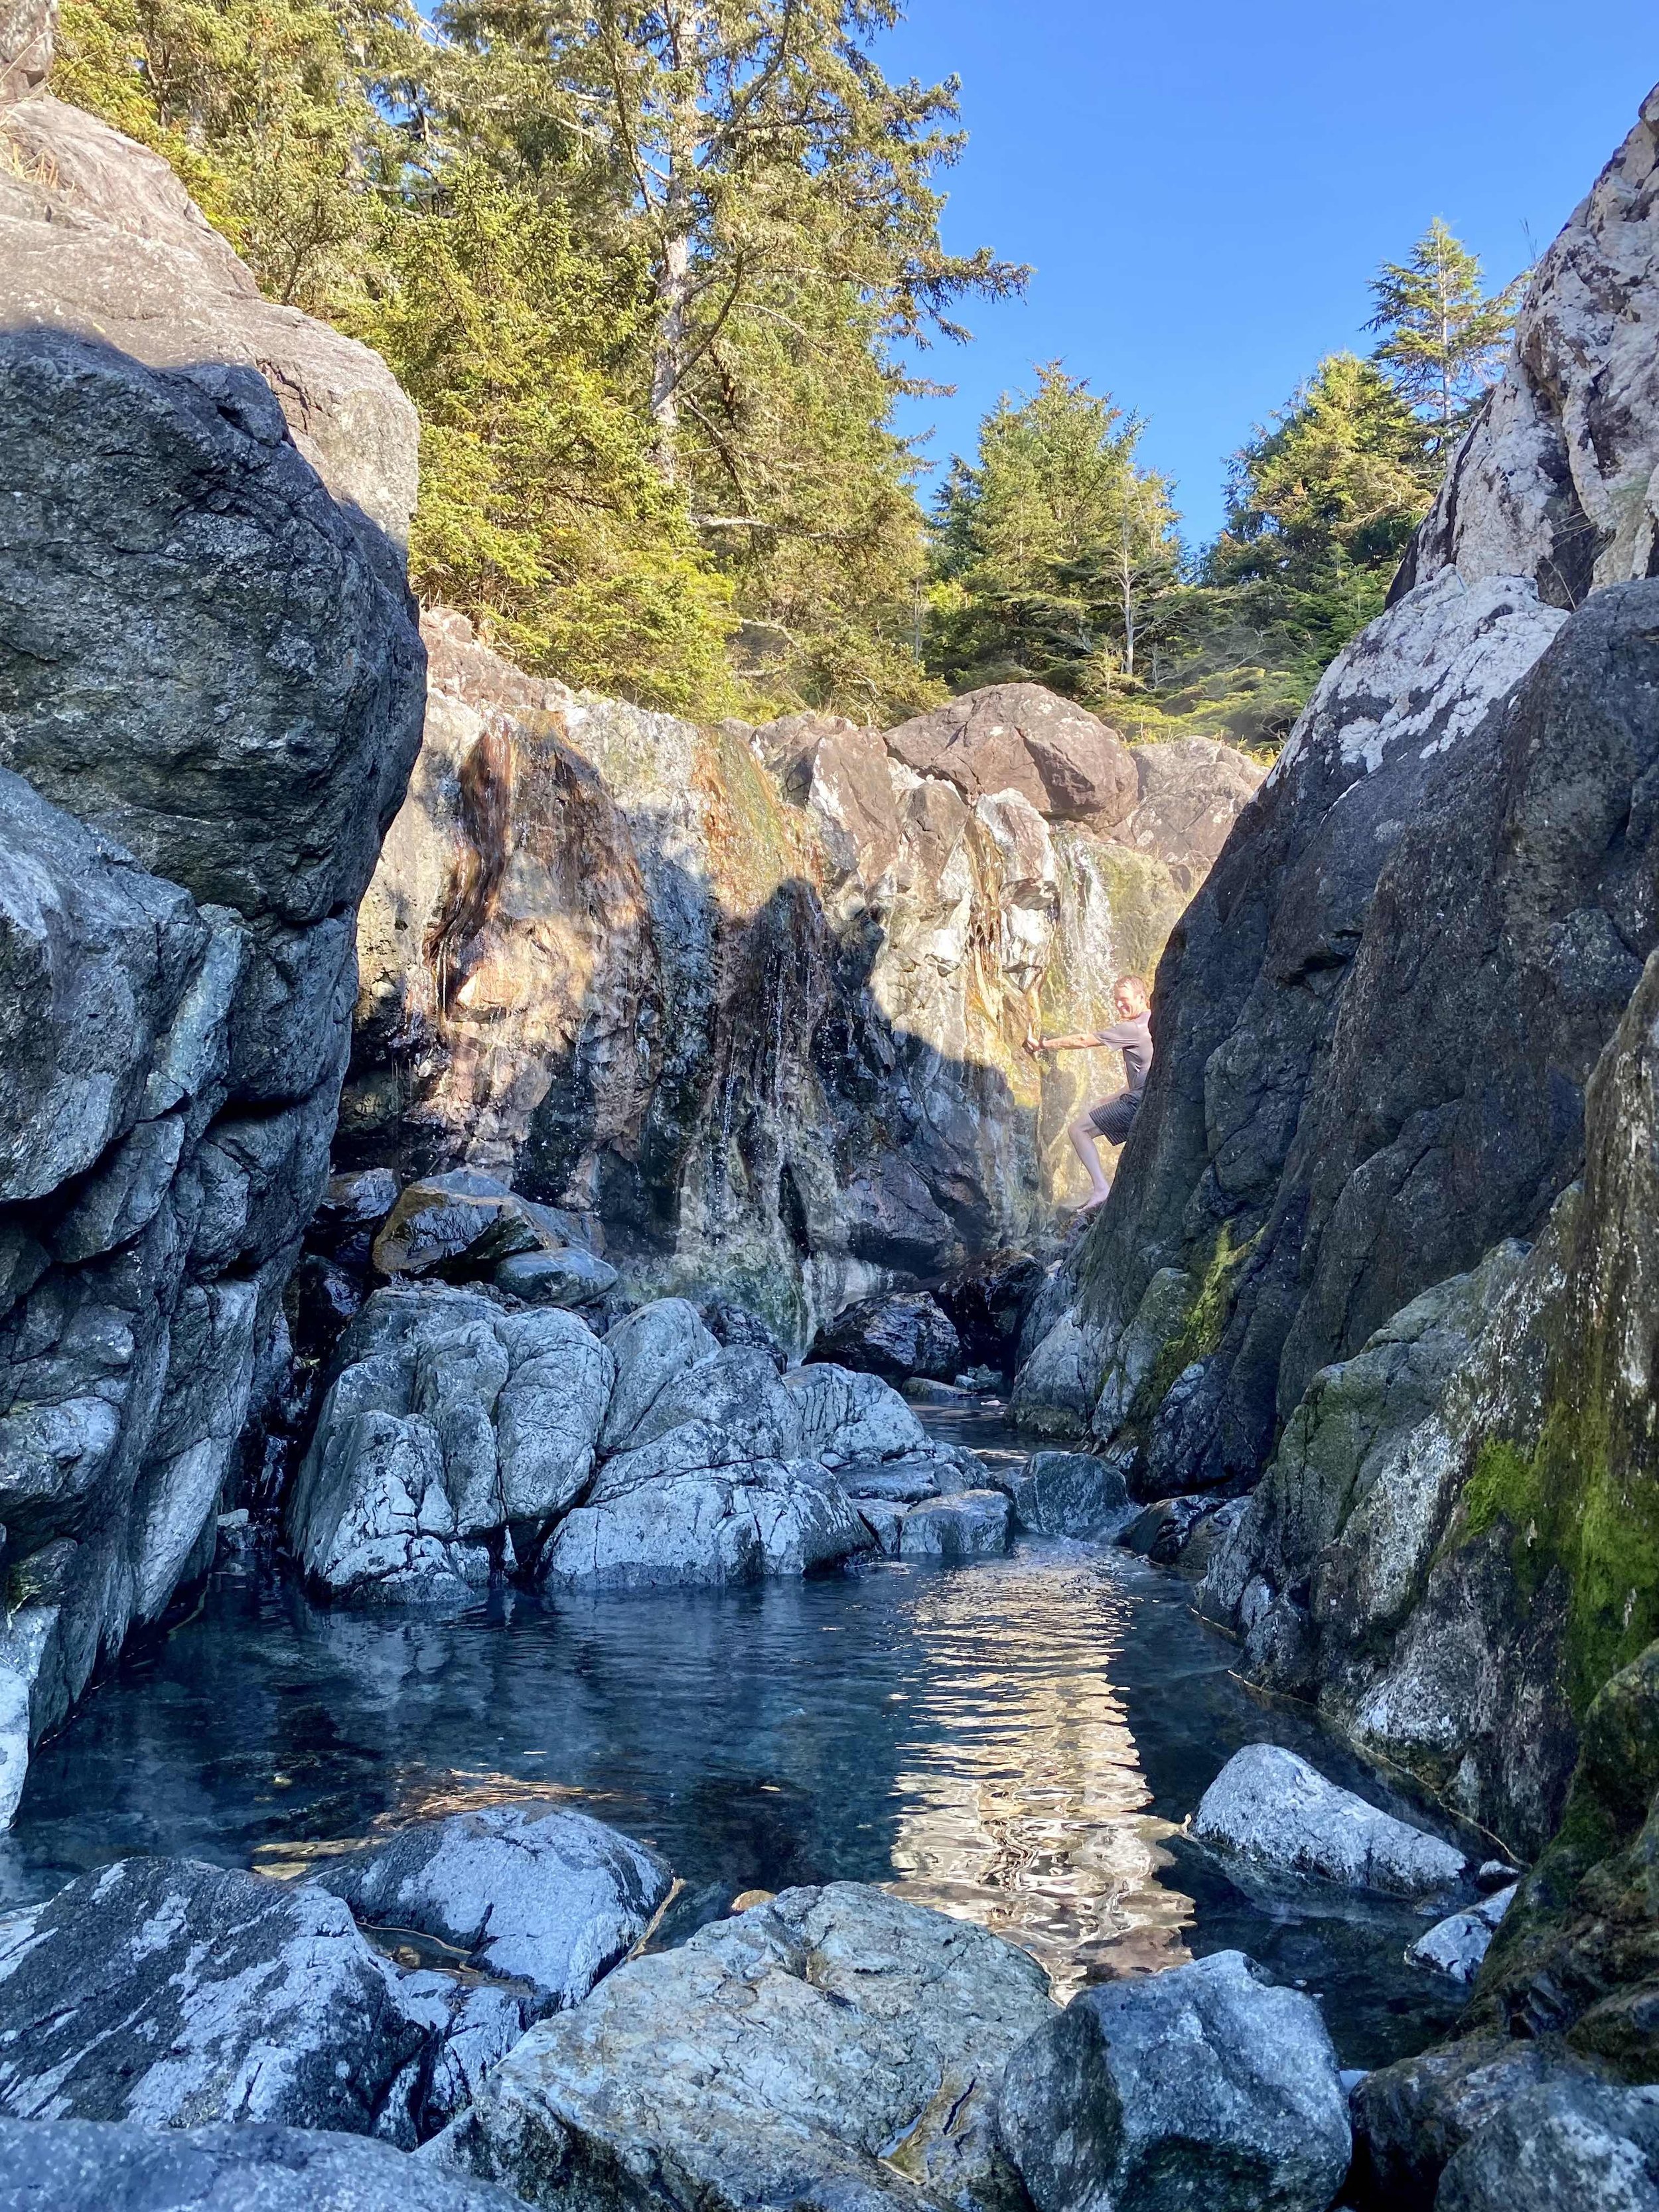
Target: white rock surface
(1273, 1809)
(1457, 1944)
(176, 1995)
(531, 1893)
(73, 2166)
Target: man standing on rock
(1111, 1118)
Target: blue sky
(1206, 189)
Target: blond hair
(1138, 984)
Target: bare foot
(1092, 1204)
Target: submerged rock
(1272, 1809)
(835, 2048)
(529, 1892)
(68, 2165)
(174, 1994)
(1202, 2085)
(1457, 1944)
(898, 1335)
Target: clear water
(1014, 1741)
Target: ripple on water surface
(1012, 1742)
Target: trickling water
(1012, 1742)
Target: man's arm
(1085, 1041)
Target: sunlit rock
(833, 2048)
(757, 1001)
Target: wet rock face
(64, 2165)
(1453, 1548)
(1377, 1021)
(834, 2048)
(211, 693)
(1412, 2117)
(897, 1336)
(756, 1000)
(1566, 2142)
(1199, 2086)
(176, 1995)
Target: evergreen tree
(1442, 336)
(1320, 507)
(782, 190)
(1056, 553)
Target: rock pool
(1014, 1741)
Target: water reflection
(1025, 1804)
(1011, 1743)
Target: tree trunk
(673, 293)
(668, 354)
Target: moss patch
(1203, 1324)
(1566, 1504)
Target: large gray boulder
(529, 1892)
(1202, 2085)
(455, 1431)
(1062, 1493)
(175, 1995)
(835, 2048)
(1271, 1809)
(846, 1417)
(68, 2165)
(973, 1524)
(211, 681)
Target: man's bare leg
(1082, 1134)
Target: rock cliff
(211, 693)
(757, 999)
(1377, 1025)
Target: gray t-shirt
(1134, 1041)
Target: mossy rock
(1578, 1953)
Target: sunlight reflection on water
(1023, 1801)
